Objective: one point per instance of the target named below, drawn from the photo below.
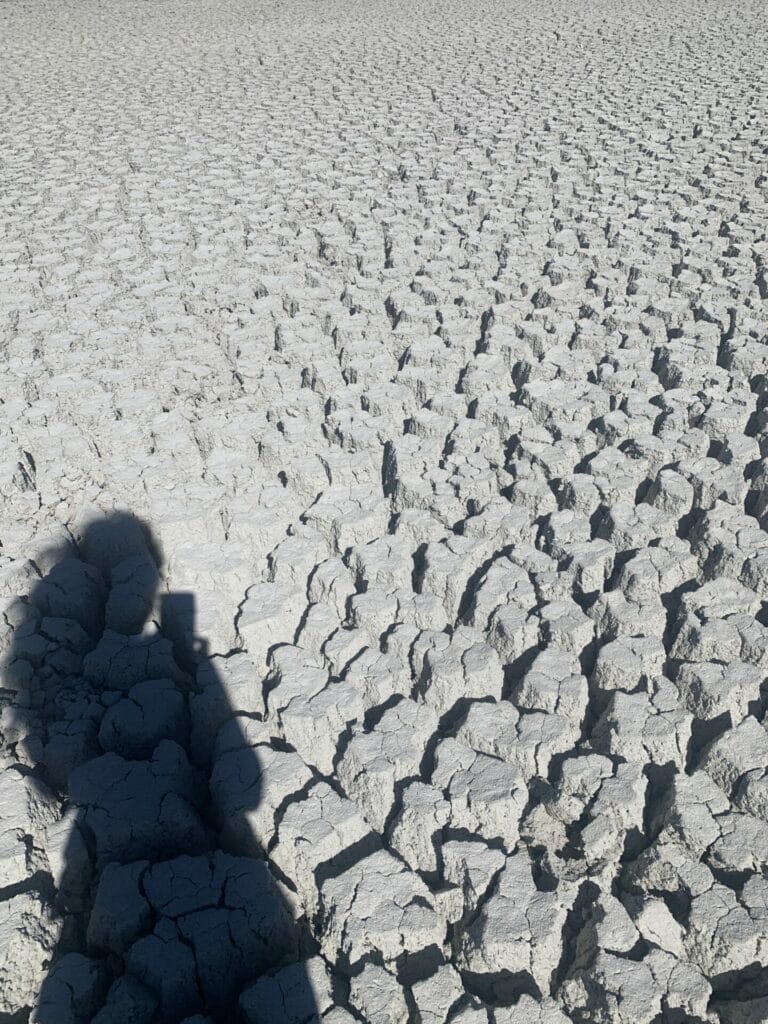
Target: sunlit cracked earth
(383, 474)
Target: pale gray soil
(422, 349)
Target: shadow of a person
(170, 909)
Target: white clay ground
(428, 342)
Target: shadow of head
(106, 576)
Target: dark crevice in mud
(642, 489)
(374, 715)
(302, 622)
(515, 671)
(634, 843)
(348, 858)
(415, 967)
(470, 590)
(675, 1015)
(455, 715)
(345, 738)
(704, 732)
(486, 322)
(464, 835)
(543, 876)
(427, 765)
(587, 657)
(419, 568)
(596, 521)
(575, 920)
(597, 703)
(399, 789)
(540, 792)
(734, 880)
(659, 780)
(620, 561)
(755, 422)
(672, 602)
(293, 798)
(750, 982)
(501, 988)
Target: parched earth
(384, 478)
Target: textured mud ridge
(383, 493)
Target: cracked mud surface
(384, 490)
